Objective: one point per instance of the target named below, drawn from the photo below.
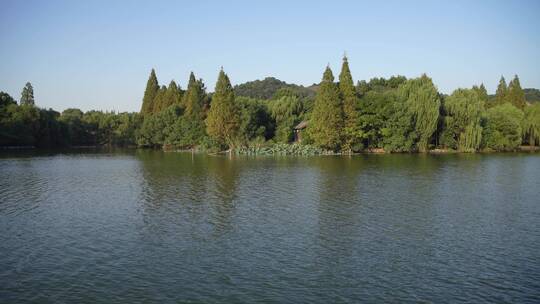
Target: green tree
(375, 112)
(189, 131)
(126, 128)
(503, 127)
(223, 119)
(159, 100)
(482, 92)
(531, 124)
(362, 87)
(27, 95)
(501, 93)
(5, 100)
(150, 93)
(76, 129)
(326, 123)
(19, 125)
(49, 133)
(464, 110)
(159, 128)
(286, 112)
(516, 96)
(173, 95)
(193, 98)
(398, 133)
(351, 130)
(422, 102)
(256, 123)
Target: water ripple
(144, 226)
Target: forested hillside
(266, 88)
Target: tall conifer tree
(352, 132)
(157, 104)
(326, 121)
(172, 96)
(516, 96)
(150, 93)
(502, 91)
(193, 98)
(223, 119)
(27, 95)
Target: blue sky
(98, 54)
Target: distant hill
(532, 95)
(266, 88)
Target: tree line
(24, 125)
(391, 115)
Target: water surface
(147, 226)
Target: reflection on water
(147, 226)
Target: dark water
(153, 227)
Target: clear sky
(98, 54)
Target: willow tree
(531, 124)
(150, 93)
(223, 120)
(422, 101)
(27, 95)
(352, 134)
(516, 96)
(502, 91)
(286, 111)
(326, 121)
(464, 110)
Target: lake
(140, 226)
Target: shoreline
(378, 151)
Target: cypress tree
(502, 90)
(191, 127)
(173, 95)
(150, 93)
(352, 132)
(157, 104)
(193, 98)
(223, 119)
(326, 121)
(27, 95)
(516, 96)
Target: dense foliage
(391, 115)
(503, 127)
